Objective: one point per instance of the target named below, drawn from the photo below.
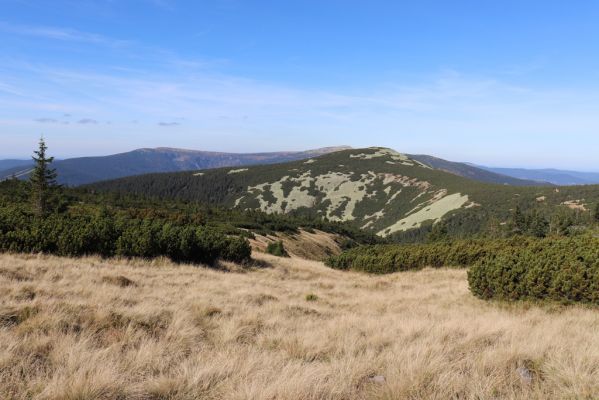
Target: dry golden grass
(93, 329)
(316, 245)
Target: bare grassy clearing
(93, 329)
(316, 245)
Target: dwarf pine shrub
(109, 235)
(384, 259)
(564, 269)
(277, 249)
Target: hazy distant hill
(379, 189)
(476, 173)
(554, 176)
(7, 164)
(82, 170)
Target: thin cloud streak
(55, 33)
(437, 115)
(458, 98)
(47, 120)
(87, 121)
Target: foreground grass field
(292, 329)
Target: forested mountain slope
(378, 189)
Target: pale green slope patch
(392, 154)
(393, 197)
(341, 191)
(434, 211)
(335, 194)
(298, 196)
(236, 171)
(382, 152)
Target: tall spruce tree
(519, 224)
(537, 225)
(42, 178)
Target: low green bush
(383, 259)
(564, 270)
(277, 249)
(109, 235)
(311, 297)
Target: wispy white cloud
(204, 97)
(87, 121)
(56, 33)
(449, 114)
(47, 120)
(9, 89)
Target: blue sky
(510, 83)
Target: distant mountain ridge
(474, 172)
(83, 170)
(554, 176)
(7, 164)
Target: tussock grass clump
(118, 280)
(311, 297)
(15, 315)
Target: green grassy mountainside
(377, 189)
